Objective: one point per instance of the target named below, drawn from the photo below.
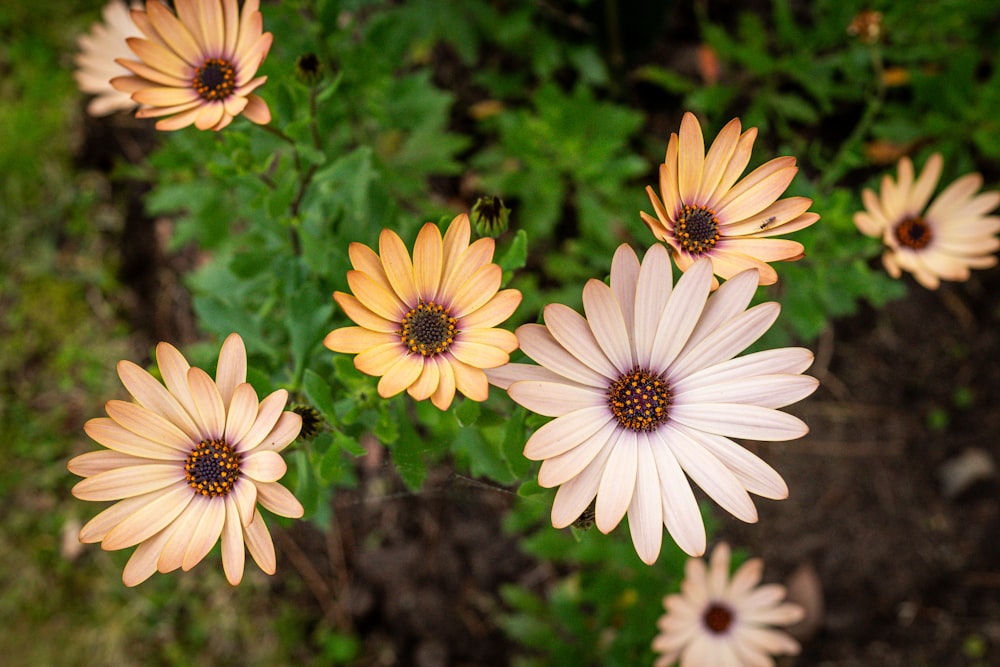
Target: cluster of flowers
(645, 388)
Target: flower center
(914, 233)
(697, 230)
(212, 468)
(215, 79)
(428, 329)
(640, 400)
(718, 618)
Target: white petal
(754, 474)
(679, 318)
(740, 421)
(645, 513)
(618, 483)
(566, 432)
(624, 278)
(604, 315)
(508, 374)
(538, 343)
(769, 391)
(680, 509)
(575, 335)
(263, 466)
(731, 299)
(790, 360)
(564, 467)
(653, 290)
(731, 338)
(555, 399)
(575, 495)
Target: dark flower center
(639, 400)
(718, 618)
(215, 79)
(697, 230)
(428, 329)
(914, 233)
(212, 468)
(312, 421)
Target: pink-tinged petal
(605, 318)
(656, 225)
(251, 24)
(573, 333)
(924, 187)
(177, 122)
(151, 74)
(231, 369)
(728, 340)
(470, 381)
(279, 500)
(181, 37)
(97, 528)
(247, 62)
(245, 494)
(205, 534)
(154, 396)
(142, 564)
(400, 375)
(268, 413)
(241, 414)
(680, 509)
(428, 258)
(426, 383)
(159, 56)
(256, 110)
(173, 368)
(211, 409)
(263, 466)
(787, 360)
(555, 399)
(457, 278)
(165, 97)
(283, 434)
(258, 541)
(500, 339)
(233, 553)
(730, 300)
(710, 474)
(493, 312)
(735, 420)
(564, 467)
(94, 463)
(477, 291)
(191, 107)
(212, 26)
(679, 318)
(508, 374)
(742, 203)
(624, 281)
(540, 345)
(445, 392)
(354, 340)
(379, 360)
(376, 299)
(398, 268)
(574, 496)
(737, 163)
(564, 433)
(209, 115)
(131, 481)
(614, 495)
(653, 289)
(362, 316)
(769, 391)
(690, 159)
(231, 26)
(112, 435)
(717, 160)
(182, 531)
(149, 519)
(645, 512)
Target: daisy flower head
(188, 461)
(938, 242)
(198, 65)
(725, 621)
(645, 388)
(427, 325)
(705, 212)
(95, 62)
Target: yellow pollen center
(212, 468)
(428, 329)
(697, 230)
(914, 233)
(639, 400)
(215, 79)
(718, 618)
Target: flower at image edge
(198, 65)
(937, 242)
(188, 462)
(96, 62)
(705, 212)
(646, 388)
(723, 621)
(427, 325)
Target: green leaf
(320, 396)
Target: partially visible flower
(427, 326)
(866, 26)
(706, 213)
(309, 69)
(188, 463)
(937, 242)
(312, 421)
(490, 216)
(725, 622)
(646, 388)
(198, 65)
(95, 63)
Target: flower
(427, 325)
(95, 63)
(188, 462)
(940, 242)
(706, 213)
(645, 389)
(197, 66)
(718, 620)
